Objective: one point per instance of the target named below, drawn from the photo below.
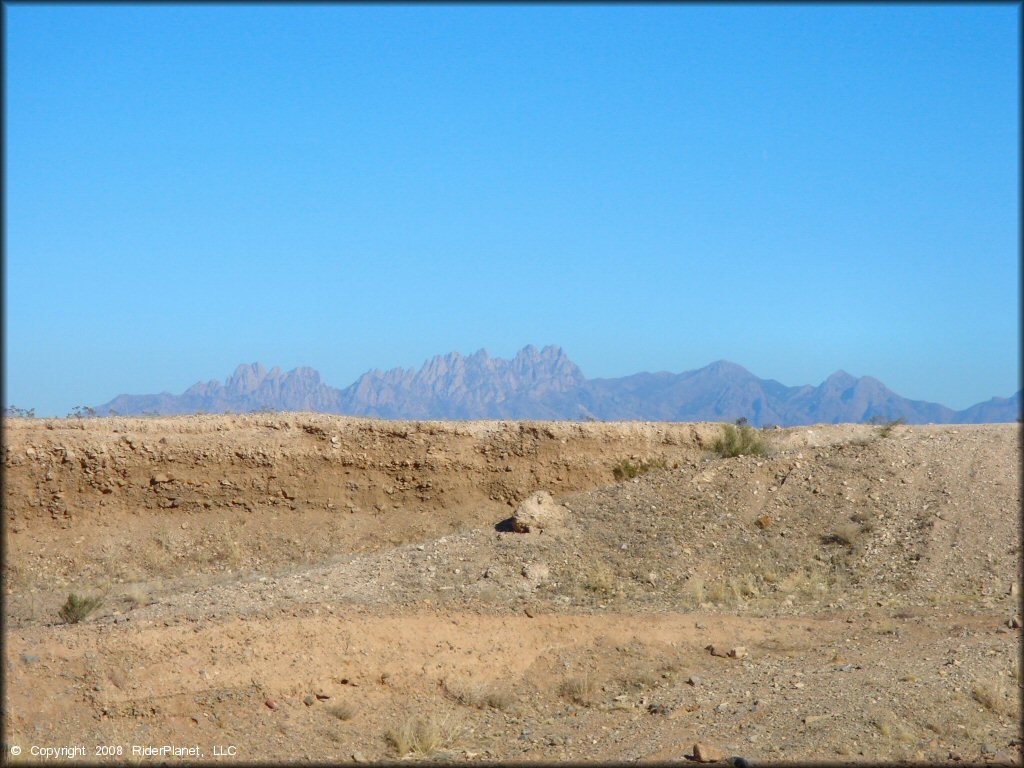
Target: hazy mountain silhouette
(546, 384)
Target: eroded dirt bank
(217, 494)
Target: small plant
(14, 412)
(846, 534)
(342, 711)
(137, 596)
(693, 590)
(885, 427)
(990, 697)
(82, 412)
(627, 470)
(422, 735)
(483, 697)
(578, 690)
(77, 608)
(599, 578)
(739, 441)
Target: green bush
(739, 441)
(77, 608)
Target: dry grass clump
(991, 697)
(498, 698)
(733, 590)
(693, 590)
(627, 470)
(886, 428)
(342, 711)
(578, 689)
(847, 534)
(891, 727)
(137, 595)
(600, 579)
(483, 696)
(77, 608)
(639, 680)
(422, 735)
(739, 441)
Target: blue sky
(797, 189)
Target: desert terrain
(305, 587)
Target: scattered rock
(1014, 623)
(308, 700)
(159, 478)
(987, 749)
(270, 704)
(706, 753)
(739, 652)
(536, 513)
(528, 611)
(693, 680)
(763, 522)
(357, 757)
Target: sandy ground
(304, 587)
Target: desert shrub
(991, 697)
(482, 696)
(420, 735)
(627, 470)
(739, 441)
(693, 590)
(76, 608)
(847, 534)
(578, 689)
(342, 711)
(885, 427)
(599, 578)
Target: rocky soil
(316, 588)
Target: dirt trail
(303, 586)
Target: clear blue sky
(797, 189)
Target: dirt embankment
(309, 587)
(227, 493)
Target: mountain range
(545, 384)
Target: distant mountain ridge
(544, 384)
